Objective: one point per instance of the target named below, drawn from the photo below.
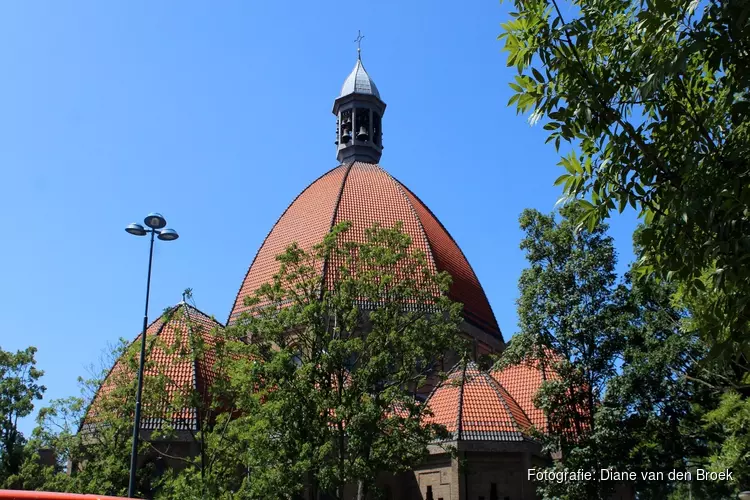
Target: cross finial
(358, 41)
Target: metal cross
(358, 40)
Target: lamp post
(156, 224)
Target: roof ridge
(439, 384)
(401, 188)
(242, 284)
(186, 307)
(458, 365)
(460, 412)
(211, 317)
(494, 384)
(117, 362)
(334, 214)
(453, 369)
(510, 396)
(168, 310)
(357, 75)
(460, 250)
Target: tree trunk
(360, 490)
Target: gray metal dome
(359, 82)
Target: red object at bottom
(49, 495)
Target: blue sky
(217, 114)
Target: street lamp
(156, 224)
(745, 495)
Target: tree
(103, 448)
(624, 382)
(571, 319)
(91, 434)
(338, 364)
(312, 393)
(650, 417)
(218, 468)
(57, 424)
(654, 95)
(732, 419)
(19, 388)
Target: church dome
(359, 82)
(363, 194)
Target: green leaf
(561, 179)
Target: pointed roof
(475, 407)
(359, 82)
(180, 329)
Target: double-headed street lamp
(156, 224)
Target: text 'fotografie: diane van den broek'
(626, 476)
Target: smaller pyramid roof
(185, 367)
(475, 407)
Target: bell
(362, 136)
(346, 137)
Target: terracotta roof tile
(306, 221)
(364, 193)
(449, 257)
(522, 382)
(173, 361)
(474, 407)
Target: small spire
(358, 41)
(359, 111)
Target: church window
(429, 493)
(493, 491)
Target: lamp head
(168, 235)
(155, 221)
(136, 229)
(745, 495)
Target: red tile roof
(474, 407)
(363, 194)
(523, 381)
(177, 329)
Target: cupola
(359, 113)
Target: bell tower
(359, 114)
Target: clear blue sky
(217, 114)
